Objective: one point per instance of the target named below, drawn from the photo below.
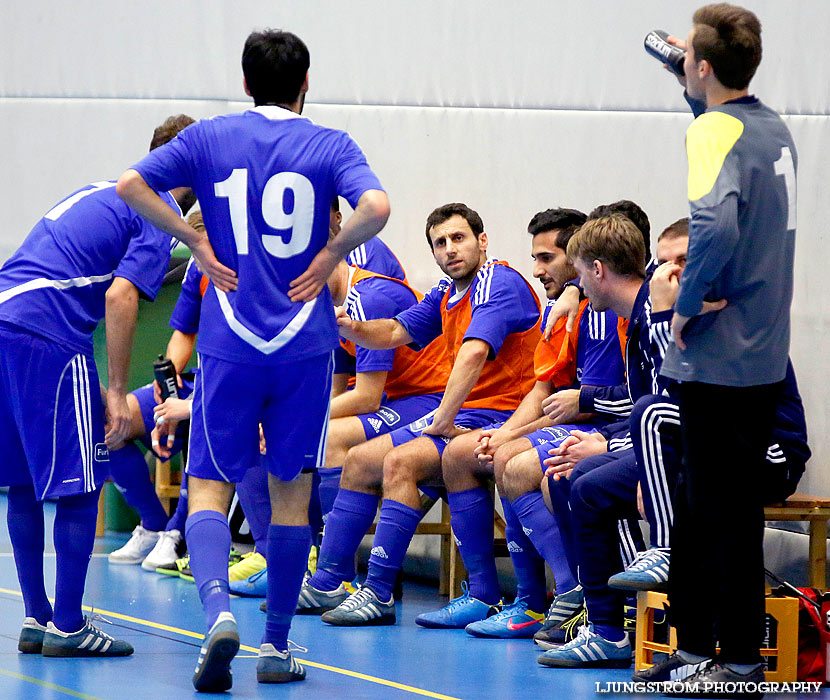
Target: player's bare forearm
(378, 334)
(530, 409)
(121, 313)
(339, 384)
(364, 398)
(180, 349)
(465, 373)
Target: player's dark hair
(729, 38)
(565, 221)
(631, 211)
(335, 203)
(613, 240)
(275, 65)
(168, 130)
(447, 211)
(679, 229)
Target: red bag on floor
(813, 635)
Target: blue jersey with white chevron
(374, 255)
(55, 283)
(265, 180)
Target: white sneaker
(138, 546)
(165, 552)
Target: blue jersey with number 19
(265, 180)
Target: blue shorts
(395, 414)
(230, 400)
(472, 418)
(146, 404)
(51, 417)
(546, 439)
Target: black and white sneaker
(671, 668)
(362, 608)
(717, 681)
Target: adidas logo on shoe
(379, 552)
(513, 547)
(376, 424)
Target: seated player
(593, 356)
(608, 254)
(393, 388)
(488, 315)
(89, 256)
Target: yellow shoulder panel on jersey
(708, 141)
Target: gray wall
(511, 107)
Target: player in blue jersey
(89, 256)
(594, 358)
(265, 180)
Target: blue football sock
(527, 562)
(609, 633)
(131, 477)
(255, 500)
(26, 531)
(329, 485)
(209, 542)
(472, 525)
(542, 529)
(351, 516)
(396, 525)
(177, 520)
(289, 546)
(74, 536)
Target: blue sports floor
(162, 618)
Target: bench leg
(818, 554)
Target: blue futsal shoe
(363, 607)
(458, 613)
(648, 572)
(88, 641)
(30, 640)
(589, 650)
(255, 586)
(277, 666)
(213, 670)
(515, 621)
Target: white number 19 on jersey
(298, 222)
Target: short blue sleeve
(352, 174)
(170, 165)
(148, 255)
(423, 321)
(186, 313)
(375, 298)
(502, 304)
(599, 355)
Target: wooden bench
(814, 510)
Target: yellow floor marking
(46, 684)
(255, 650)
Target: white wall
(511, 107)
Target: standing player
(89, 256)
(265, 180)
(741, 188)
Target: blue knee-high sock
(472, 525)
(396, 525)
(289, 546)
(209, 542)
(315, 508)
(542, 529)
(26, 530)
(129, 472)
(329, 485)
(74, 536)
(351, 516)
(177, 520)
(527, 562)
(256, 504)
